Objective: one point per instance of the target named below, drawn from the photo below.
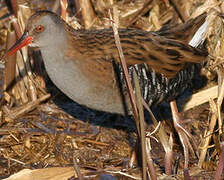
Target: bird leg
(184, 136)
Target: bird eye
(39, 28)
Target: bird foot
(186, 139)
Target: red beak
(23, 41)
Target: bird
(80, 62)
(85, 64)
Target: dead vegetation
(48, 136)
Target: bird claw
(186, 139)
(185, 135)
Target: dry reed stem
(2, 67)
(88, 13)
(32, 90)
(141, 123)
(10, 63)
(186, 7)
(219, 51)
(123, 174)
(182, 133)
(14, 6)
(164, 139)
(178, 10)
(77, 169)
(133, 158)
(219, 105)
(20, 67)
(43, 127)
(220, 166)
(125, 69)
(154, 16)
(168, 160)
(23, 15)
(78, 10)
(145, 5)
(199, 98)
(64, 5)
(151, 169)
(21, 110)
(20, 79)
(206, 6)
(16, 26)
(93, 142)
(56, 173)
(55, 6)
(21, 76)
(205, 142)
(130, 10)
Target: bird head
(43, 29)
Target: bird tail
(184, 32)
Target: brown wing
(166, 56)
(167, 51)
